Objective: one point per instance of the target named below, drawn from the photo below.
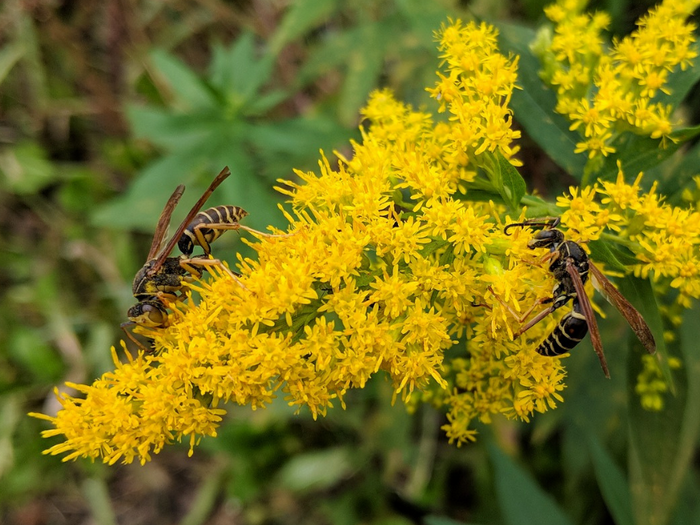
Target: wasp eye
(146, 314)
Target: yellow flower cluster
(389, 269)
(664, 239)
(606, 92)
(651, 385)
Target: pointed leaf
(662, 443)
(329, 54)
(674, 183)
(612, 483)
(614, 257)
(638, 153)
(173, 131)
(521, 500)
(640, 293)
(534, 104)
(364, 65)
(239, 72)
(301, 17)
(316, 470)
(512, 184)
(679, 83)
(10, 54)
(190, 91)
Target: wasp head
(150, 313)
(546, 239)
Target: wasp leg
(187, 264)
(229, 226)
(522, 318)
(131, 336)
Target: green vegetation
(105, 108)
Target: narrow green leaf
(316, 470)
(424, 18)
(239, 72)
(302, 16)
(265, 102)
(534, 104)
(173, 131)
(140, 207)
(25, 168)
(640, 293)
(672, 186)
(9, 55)
(521, 500)
(190, 91)
(609, 253)
(329, 54)
(440, 520)
(96, 495)
(612, 483)
(679, 83)
(662, 443)
(364, 65)
(512, 184)
(638, 153)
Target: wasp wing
(188, 219)
(634, 318)
(587, 309)
(164, 222)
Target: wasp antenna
(545, 222)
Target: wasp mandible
(163, 277)
(570, 266)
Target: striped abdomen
(572, 328)
(207, 226)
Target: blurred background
(104, 108)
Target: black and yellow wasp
(162, 279)
(570, 266)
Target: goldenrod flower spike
(390, 265)
(607, 92)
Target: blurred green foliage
(106, 107)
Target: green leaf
(512, 184)
(424, 18)
(316, 470)
(640, 293)
(301, 17)
(25, 168)
(10, 54)
(239, 72)
(534, 104)
(609, 253)
(174, 131)
(679, 83)
(264, 102)
(140, 207)
(638, 153)
(331, 53)
(612, 483)
(440, 520)
(672, 186)
(364, 64)
(502, 178)
(662, 443)
(521, 500)
(189, 90)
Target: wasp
(570, 266)
(209, 225)
(163, 277)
